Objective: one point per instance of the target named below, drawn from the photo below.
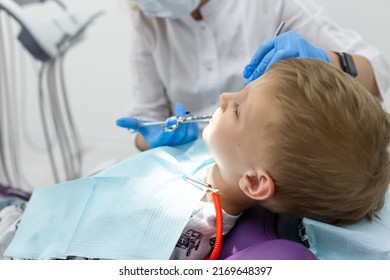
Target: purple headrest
(254, 238)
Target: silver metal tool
(279, 29)
(177, 121)
(200, 184)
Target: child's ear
(257, 185)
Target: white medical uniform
(192, 62)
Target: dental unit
(46, 30)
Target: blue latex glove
(286, 45)
(155, 135)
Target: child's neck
(233, 200)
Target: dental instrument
(186, 120)
(175, 122)
(200, 184)
(279, 29)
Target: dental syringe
(175, 121)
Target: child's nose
(224, 100)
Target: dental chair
(254, 237)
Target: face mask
(167, 8)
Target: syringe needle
(195, 119)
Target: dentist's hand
(286, 45)
(155, 136)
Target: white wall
(98, 79)
(370, 18)
(98, 76)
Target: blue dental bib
(135, 209)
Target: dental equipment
(200, 184)
(47, 30)
(172, 123)
(47, 36)
(187, 119)
(177, 121)
(218, 215)
(279, 29)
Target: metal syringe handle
(187, 119)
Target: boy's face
(236, 135)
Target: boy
(305, 139)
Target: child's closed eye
(235, 108)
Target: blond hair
(329, 158)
